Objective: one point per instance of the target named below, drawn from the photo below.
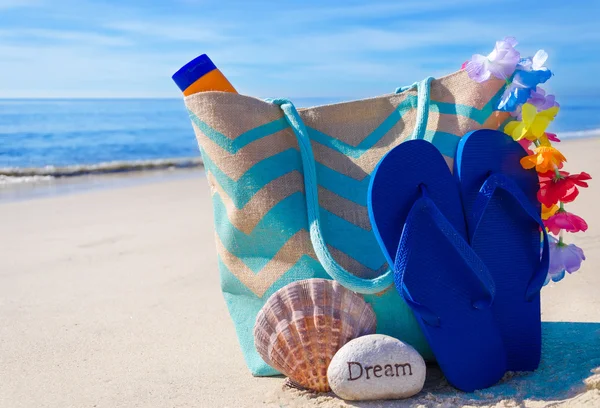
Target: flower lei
(532, 111)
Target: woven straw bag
(289, 189)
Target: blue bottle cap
(190, 72)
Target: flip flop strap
(458, 243)
(486, 192)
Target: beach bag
(289, 189)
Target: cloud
(39, 35)
(165, 31)
(307, 48)
(373, 9)
(14, 4)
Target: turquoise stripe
(305, 268)
(259, 132)
(367, 143)
(446, 143)
(284, 220)
(351, 239)
(342, 185)
(259, 175)
(478, 115)
(271, 168)
(233, 146)
(211, 133)
(276, 228)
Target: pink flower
(564, 257)
(567, 221)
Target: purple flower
(564, 257)
(540, 100)
(501, 62)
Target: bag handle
(335, 270)
(423, 101)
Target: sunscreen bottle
(201, 75)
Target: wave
(580, 134)
(25, 179)
(11, 175)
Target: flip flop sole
(467, 343)
(505, 238)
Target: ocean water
(39, 133)
(46, 138)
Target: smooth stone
(376, 367)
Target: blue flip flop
(416, 215)
(503, 221)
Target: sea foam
(12, 175)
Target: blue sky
(310, 48)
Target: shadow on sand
(570, 351)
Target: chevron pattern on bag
(289, 254)
(255, 171)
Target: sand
(110, 298)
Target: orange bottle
(201, 75)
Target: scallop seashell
(303, 324)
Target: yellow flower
(545, 158)
(533, 123)
(548, 212)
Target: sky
(298, 49)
